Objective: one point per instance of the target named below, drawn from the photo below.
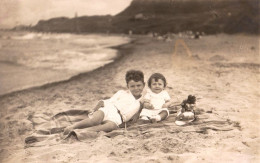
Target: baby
(156, 99)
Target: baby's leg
(163, 114)
(107, 127)
(145, 115)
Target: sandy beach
(222, 71)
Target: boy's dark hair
(134, 75)
(156, 77)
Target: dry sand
(222, 71)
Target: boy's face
(157, 85)
(136, 88)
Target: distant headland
(165, 16)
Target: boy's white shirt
(126, 103)
(157, 99)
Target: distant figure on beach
(123, 106)
(156, 100)
(130, 32)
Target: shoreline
(119, 54)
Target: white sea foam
(64, 54)
(28, 36)
(43, 36)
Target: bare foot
(142, 121)
(71, 137)
(153, 120)
(67, 130)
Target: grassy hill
(75, 25)
(162, 16)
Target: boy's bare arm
(136, 115)
(100, 104)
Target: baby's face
(157, 86)
(136, 88)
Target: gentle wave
(34, 59)
(43, 36)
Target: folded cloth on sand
(48, 129)
(184, 118)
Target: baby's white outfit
(157, 100)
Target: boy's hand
(135, 117)
(100, 104)
(143, 100)
(166, 105)
(148, 105)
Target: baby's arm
(167, 99)
(166, 104)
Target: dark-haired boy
(121, 107)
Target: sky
(29, 12)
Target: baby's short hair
(134, 75)
(156, 77)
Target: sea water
(34, 59)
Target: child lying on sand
(121, 107)
(156, 100)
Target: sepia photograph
(81, 81)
